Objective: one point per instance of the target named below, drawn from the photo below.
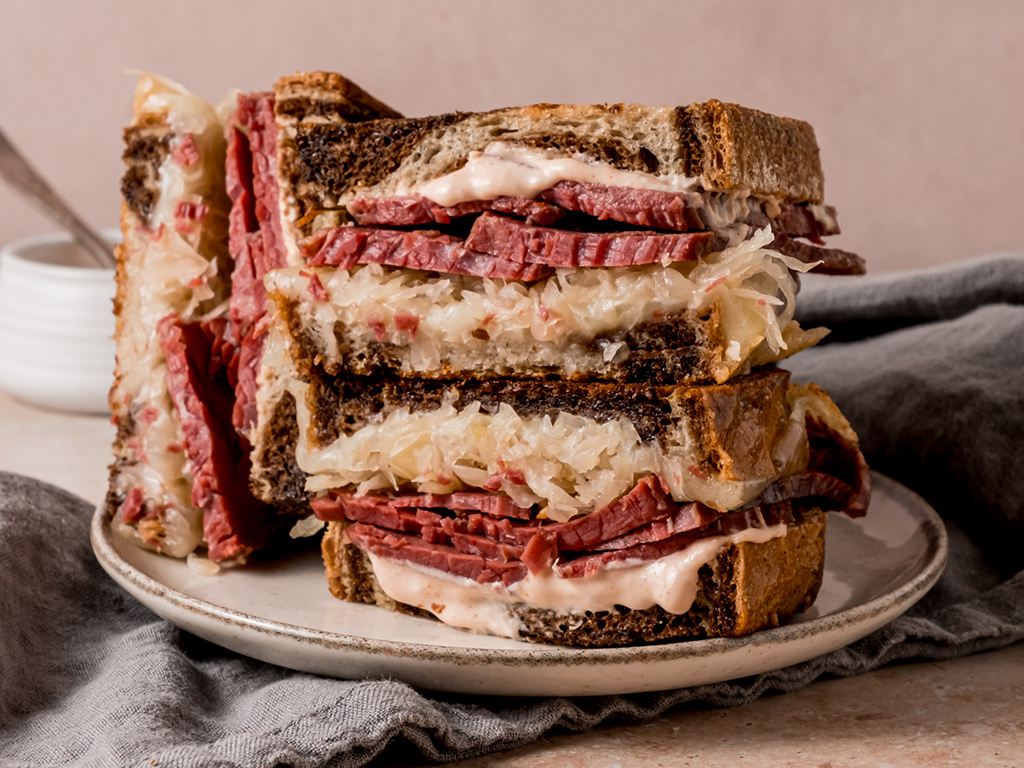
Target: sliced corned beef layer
(501, 247)
(344, 247)
(834, 261)
(647, 208)
(255, 238)
(482, 540)
(234, 522)
(405, 548)
(244, 412)
(484, 559)
(648, 501)
(761, 516)
(245, 242)
(413, 210)
(516, 241)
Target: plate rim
(906, 594)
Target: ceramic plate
(876, 567)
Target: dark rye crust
(332, 158)
(734, 147)
(682, 349)
(276, 477)
(146, 147)
(736, 422)
(326, 95)
(730, 146)
(350, 575)
(748, 587)
(316, 99)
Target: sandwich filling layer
(515, 171)
(569, 448)
(635, 207)
(670, 582)
(576, 319)
(508, 171)
(173, 260)
(473, 558)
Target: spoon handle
(19, 174)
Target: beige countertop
(968, 711)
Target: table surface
(968, 711)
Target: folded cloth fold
(929, 366)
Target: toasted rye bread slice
(328, 96)
(748, 586)
(301, 101)
(726, 146)
(733, 147)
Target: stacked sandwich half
(522, 363)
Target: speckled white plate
(875, 569)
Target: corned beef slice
(752, 517)
(255, 238)
(540, 553)
(262, 128)
(516, 241)
(335, 505)
(649, 500)
(832, 455)
(500, 247)
(381, 512)
(133, 508)
(344, 247)
(244, 411)
(412, 210)
(834, 261)
(411, 549)
(493, 504)
(637, 207)
(234, 523)
(245, 242)
(686, 517)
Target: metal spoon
(16, 171)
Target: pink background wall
(918, 107)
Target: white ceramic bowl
(56, 324)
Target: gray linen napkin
(928, 366)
